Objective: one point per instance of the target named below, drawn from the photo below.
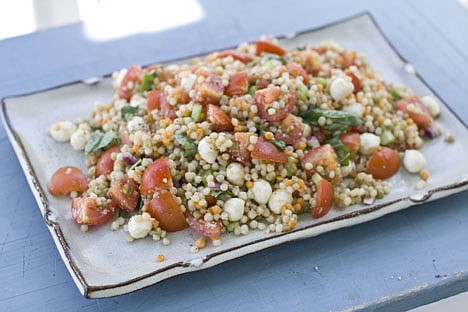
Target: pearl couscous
(242, 140)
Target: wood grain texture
(394, 263)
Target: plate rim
(66, 252)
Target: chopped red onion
(129, 159)
(432, 131)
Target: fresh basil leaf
(93, 143)
(395, 95)
(301, 48)
(279, 144)
(94, 128)
(340, 120)
(127, 112)
(252, 90)
(187, 143)
(108, 139)
(129, 214)
(147, 82)
(342, 151)
(216, 193)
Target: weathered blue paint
(400, 261)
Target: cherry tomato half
(66, 180)
(105, 164)
(238, 84)
(324, 156)
(219, 120)
(268, 47)
(415, 108)
(293, 130)
(85, 211)
(210, 229)
(156, 177)
(125, 194)
(165, 208)
(267, 151)
(264, 97)
(324, 198)
(383, 163)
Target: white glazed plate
(102, 262)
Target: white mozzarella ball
(278, 199)
(340, 88)
(62, 131)
(414, 161)
(234, 208)
(261, 191)
(207, 150)
(369, 143)
(235, 173)
(431, 105)
(80, 137)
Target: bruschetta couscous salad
(242, 140)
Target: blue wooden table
(398, 262)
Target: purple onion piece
(368, 200)
(432, 131)
(217, 186)
(129, 159)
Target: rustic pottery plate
(102, 262)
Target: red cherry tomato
(324, 198)
(352, 140)
(105, 164)
(240, 150)
(310, 62)
(356, 82)
(237, 55)
(264, 97)
(210, 90)
(157, 99)
(238, 84)
(210, 229)
(156, 177)
(293, 130)
(268, 47)
(134, 74)
(165, 208)
(219, 120)
(125, 194)
(296, 69)
(66, 180)
(349, 57)
(267, 151)
(85, 211)
(383, 163)
(415, 108)
(324, 156)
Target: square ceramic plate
(102, 262)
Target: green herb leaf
(395, 95)
(93, 143)
(147, 82)
(196, 112)
(271, 56)
(321, 81)
(129, 214)
(231, 226)
(387, 137)
(301, 48)
(252, 90)
(187, 143)
(107, 140)
(279, 144)
(216, 193)
(127, 112)
(340, 120)
(342, 151)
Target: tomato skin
(356, 82)
(264, 97)
(85, 211)
(210, 229)
(241, 152)
(238, 84)
(296, 69)
(134, 74)
(268, 47)
(105, 164)
(157, 99)
(352, 140)
(324, 156)
(310, 62)
(349, 57)
(237, 55)
(265, 150)
(417, 111)
(66, 180)
(324, 197)
(125, 194)
(156, 177)
(383, 163)
(293, 130)
(208, 92)
(219, 120)
(165, 208)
